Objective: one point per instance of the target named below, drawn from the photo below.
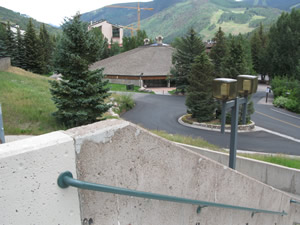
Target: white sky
(54, 11)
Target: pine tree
(199, 99)
(219, 52)
(284, 46)
(20, 50)
(3, 47)
(10, 44)
(258, 52)
(46, 47)
(187, 48)
(236, 62)
(80, 95)
(135, 41)
(32, 49)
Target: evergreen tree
(3, 48)
(135, 41)
(236, 62)
(219, 52)
(80, 95)
(187, 48)
(32, 49)
(103, 51)
(258, 52)
(199, 99)
(20, 50)
(10, 44)
(284, 45)
(46, 47)
(114, 49)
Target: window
(116, 32)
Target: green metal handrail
(66, 179)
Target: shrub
(292, 105)
(280, 101)
(125, 103)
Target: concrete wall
(4, 63)
(118, 153)
(28, 173)
(280, 177)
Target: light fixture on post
(226, 90)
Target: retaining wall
(118, 153)
(4, 63)
(280, 177)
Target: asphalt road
(162, 112)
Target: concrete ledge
(28, 191)
(280, 177)
(213, 127)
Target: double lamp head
(227, 89)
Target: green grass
(122, 88)
(276, 159)
(26, 103)
(198, 142)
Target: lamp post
(227, 90)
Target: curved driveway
(161, 112)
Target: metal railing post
(2, 136)
(233, 134)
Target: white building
(113, 33)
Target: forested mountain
(173, 18)
(22, 20)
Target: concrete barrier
(280, 177)
(4, 63)
(121, 154)
(28, 173)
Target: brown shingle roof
(149, 60)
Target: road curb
(211, 127)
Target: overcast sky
(54, 11)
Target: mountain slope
(206, 17)
(173, 18)
(22, 20)
(280, 4)
(125, 16)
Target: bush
(280, 101)
(292, 105)
(125, 103)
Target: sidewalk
(161, 90)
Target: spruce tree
(3, 47)
(46, 47)
(80, 95)
(10, 44)
(187, 48)
(219, 52)
(20, 50)
(199, 99)
(283, 50)
(236, 62)
(32, 49)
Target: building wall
(107, 31)
(4, 63)
(118, 153)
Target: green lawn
(26, 103)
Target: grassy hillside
(22, 20)
(26, 103)
(206, 18)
